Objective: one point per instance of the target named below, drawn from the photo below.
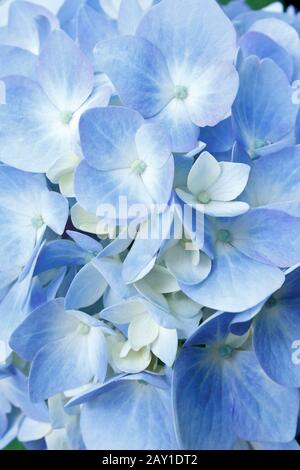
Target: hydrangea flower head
(149, 225)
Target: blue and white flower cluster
(149, 225)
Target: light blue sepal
(86, 288)
(144, 417)
(14, 306)
(214, 380)
(60, 253)
(85, 242)
(17, 61)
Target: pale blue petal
(145, 248)
(139, 72)
(95, 189)
(14, 306)
(85, 242)
(54, 211)
(153, 145)
(248, 401)
(93, 26)
(184, 35)
(17, 61)
(46, 324)
(203, 403)
(111, 270)
(175, 119)
(130, 15)
(59, 366)
(268, 236)
(276, 331)
(86, 288)
(36, 22)
(260, 117)
(259, 44)
(274, 182)
(263, 410)
(144, 417)
(64, 73)
(60, 253)
(32, 136)
(107, 137)
(235, 283)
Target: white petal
(187, 197)
(181, 263)
(87, 222)
(212, 94)
(142, 331)
(231, 183)
(204, 173)
(182, 306)
(165, 346)
(123, 359)
(31, 430)
(66, 184)
(162, 281)
(226, 209)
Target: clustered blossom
(149, 225)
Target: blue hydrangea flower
(261, 242)
(39, 120)
(61, 341)
(276, 331)
(273, 182)
(124, 157)
(167, 75)
(263, 122)
(27, 207)
(214, 372)
(149, 225)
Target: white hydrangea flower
(212, 187)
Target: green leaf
(15, 445)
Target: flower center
(225, 351)
(138, 167)
(204, 197)
(83, 329)
(37, 221)
(66, 117)
(224, 236)
(181, 92)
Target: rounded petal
(176, 121)
(180, 262)
(226, 209)
(153, 145)
(165, 346)
(138, 71)
(184, 35)
(211, 94)
(235, 283)
(231, 182)
(261, 117)
(142, 331)
(64, 73)
(107, 137)
(204, 173)
(32, 136)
